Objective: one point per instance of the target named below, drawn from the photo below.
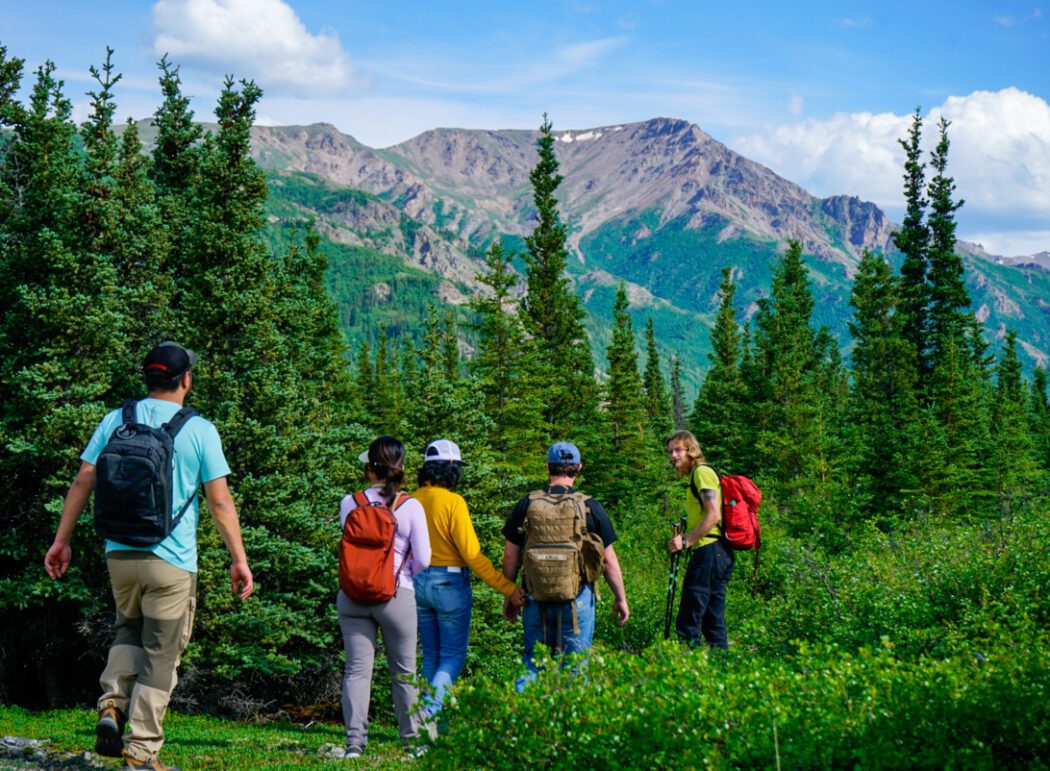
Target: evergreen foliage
(949, 301)
(912, 239)
(884, 411)
(722, 400)
(625, 409)
(677, 394)
(658, 401)
(552, 314)
(106, 249)
(505, 365)
(789, 357)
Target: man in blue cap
(563, 541)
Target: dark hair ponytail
(386, 458)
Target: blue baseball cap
(563, 452)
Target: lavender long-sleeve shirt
(411, 532)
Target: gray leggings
(359, 623)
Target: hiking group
(405, 562)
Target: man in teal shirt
(154, 587)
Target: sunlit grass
(197, 742)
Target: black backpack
(134, 487)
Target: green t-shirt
(705, 478)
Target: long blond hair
(692, 447)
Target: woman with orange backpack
(384, 545)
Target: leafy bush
(824, 707)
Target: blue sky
(817, 91)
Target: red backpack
(366, 551)
(740, 500)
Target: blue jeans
(443, 602)
(559, 640)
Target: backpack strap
(127, 413)
(178, 420)
(692, 482)
(172, 427)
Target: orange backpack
(366, 551)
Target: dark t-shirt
(597, 519)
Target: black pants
(703, 608)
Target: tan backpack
(559, 555)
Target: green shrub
(824, 707)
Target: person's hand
(676, 544)
(518, 597)
(621, 611)
(57, 559)
(510, 610)
(241, 579)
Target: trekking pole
(676, 562)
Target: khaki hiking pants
(155, 604)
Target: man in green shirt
(703, 609)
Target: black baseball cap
(169, 359)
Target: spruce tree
(624, 406)
(658, 406)
(949, 300)
(677, 394)
(913, 239)
(434, 410)
(722, 393)
(884, 412)
(1039, 419)
(364, 391)
(175, 171)
(388, 387)
(505, 365)
(120, 219)
(624, 390)
(61, 348)
(1012, 461)
(960, 401)
(787, 356)
(552, 313)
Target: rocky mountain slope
(659, 204)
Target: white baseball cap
(443, 449)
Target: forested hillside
(898, 617)
(658, 204)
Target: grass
(199, 742)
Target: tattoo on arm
(708, 495)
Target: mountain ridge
(658, 203)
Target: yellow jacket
(453, 541)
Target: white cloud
(1021, 243)
(582, 55)
(260, 39)
(999, 157)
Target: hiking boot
(132, 763)
(109, 732)
(354, 751)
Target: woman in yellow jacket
(443, 593)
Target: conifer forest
(898, 614)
